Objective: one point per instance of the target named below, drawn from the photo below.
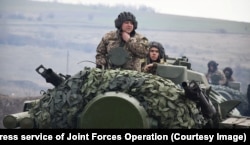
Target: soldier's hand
(125, 36)
(148, 67)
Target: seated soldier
(155, 55)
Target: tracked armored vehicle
(176, 97)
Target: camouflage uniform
(136, 46)
(215, 76)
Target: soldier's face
(153, 53)
(227, 74)
(127, 26)
(211, 67)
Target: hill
(21, 88)
(60, 36)
(68, 15)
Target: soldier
(228, 73)
(248, 99)
(124, 47)
(156, 54)
(214, 75)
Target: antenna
(67, 65)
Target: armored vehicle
(176, 97)
(232, 92)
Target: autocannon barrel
(12, 121)
(49, 75)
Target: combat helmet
(229, 70)
(212, 63)
(125, 16)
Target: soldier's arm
(223, 79)
(138, 46)
(101, 52)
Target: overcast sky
(236, 10)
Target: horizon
(232, 10)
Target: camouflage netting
(161, 98)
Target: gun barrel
(12, 121)
(207, 107)
(194, 93)
(49, 75)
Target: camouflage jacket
(137, 48)
(216, 78)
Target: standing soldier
(214, 75)
(124, 47)
(228, 73)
